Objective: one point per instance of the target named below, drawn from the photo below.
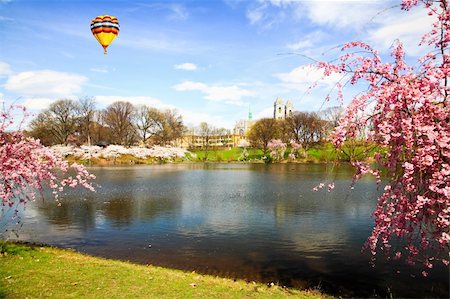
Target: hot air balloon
(105, 29)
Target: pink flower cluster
(26, 166)
(296, 150)
(411, 125)
(277, 149)
(114, 151)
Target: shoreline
(35, 270)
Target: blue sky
(210, 60)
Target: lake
(251, 221)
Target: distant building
(235, 137)
(196, 141)
(243, 125)
(281, 110)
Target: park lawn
(322, 153)
(228, 155)
(34, 272)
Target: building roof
(279, 101)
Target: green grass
(325, 152)
(227, 155)
(322, 153)
(28, 271)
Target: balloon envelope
(105, 29)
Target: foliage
(26, 166)
(58, 121)
(85, 119)
(262, 132)
(147, 121)
(118, 117)
(306, 128)
(411, 122)
(244, 155)
(78, 122)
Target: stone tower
(288, 109)
(278, 109)
(282, 111)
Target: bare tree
(170, 127)
(40, 129)
(86, 111)
(62, 120)
(305, 128)
(332, 115)
(262, 132)
(100, 131)
(206, 131)
(58, 121)
(148, 122)
(118, 117)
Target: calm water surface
(257, 222)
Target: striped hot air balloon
(105, 29)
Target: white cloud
(99, 70)
(261, 15)
(341, 14)
(156, 44)
(307, 41)
(303, 77)
(67, 54)
(303, 44)
(172, 11)
(231, 94)
(334, 13)
(194, 118)
(37, 103)
(186, 66)
(383, 21)
(407, 27)
(255, 15)
(135, 100)
(178, 12)
(45, 83)
(264, 113)
(5, 69)
(6, 19)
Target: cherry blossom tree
(296, 151)
(26, 166)
(277, 149)
(165, 153)
(410, 122)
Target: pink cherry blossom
(277, 149)
(114, 151)
(410, 122)
(26, 166)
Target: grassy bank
(318, 153)
(34, 272)
(228, 155)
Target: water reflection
(259, 222)
(79, 213)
